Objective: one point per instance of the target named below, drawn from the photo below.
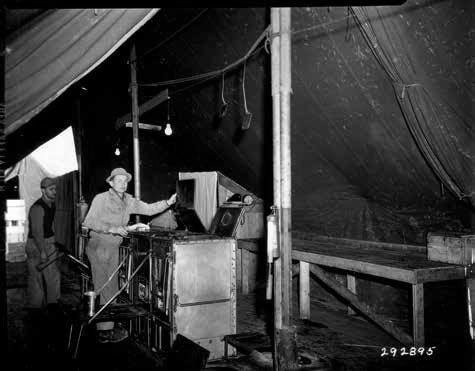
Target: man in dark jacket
(43, 287)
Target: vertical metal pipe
(135, 121)
(285, 165)
(287, 347)
(275, 78)
(275, 65)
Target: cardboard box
(451, 248)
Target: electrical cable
(169, 37)
(222, 91)
(244, 88)
(215, 72)
(208, 78)
(266, 34)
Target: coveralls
(108, 210)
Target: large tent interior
(376, 236)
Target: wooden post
(471, 305)
(351, 285)
(245, 271)
(364, 308)
(304, 290)
(135, 123)
(418, 314)
(77, 181)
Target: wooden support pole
(77, 181)
(351, 285)
(135, 122)
(471, 305)
(304, 290)
(360, 306)
(245, 271)
(418, 314)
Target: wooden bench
(404, 263)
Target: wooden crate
(451, 248)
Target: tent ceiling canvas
(357, 169)
(57, 48)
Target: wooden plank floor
(351, 343)
(354, 344)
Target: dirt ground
(331, 339)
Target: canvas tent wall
(56, 49)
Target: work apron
(43, 287)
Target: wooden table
(404, 263)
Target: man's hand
(172, 199)
(122, 231)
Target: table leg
(304, 290)
(471, 305)
(351, 285)
(245, 271)
(77, 342)
(418, 313)
(70, 336)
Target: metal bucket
(90, 299)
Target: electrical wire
(266, 34)
(208, 78)
(222, 91)
(215, 72)
(244, 88)
(311, 28)
(169, 37)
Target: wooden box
(451, 248)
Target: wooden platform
(404, 263)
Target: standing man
(107, 221)
(43, 287)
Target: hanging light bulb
(168, 129)
(117, 151)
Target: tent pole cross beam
(144, 107)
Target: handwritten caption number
(411, 352)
